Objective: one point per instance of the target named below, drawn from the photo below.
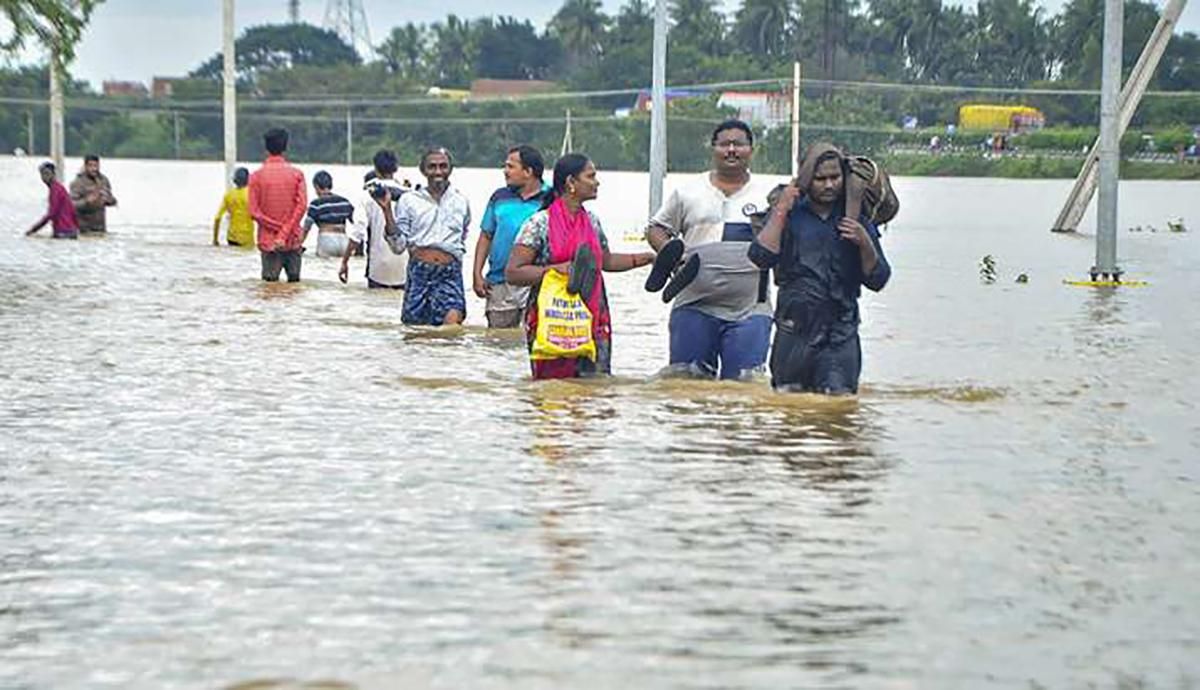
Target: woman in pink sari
(566, 237)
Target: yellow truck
(1000, 118)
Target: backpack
(869, 191)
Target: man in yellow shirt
(237, 205)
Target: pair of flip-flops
(667, 274)
(581, 276)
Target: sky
(140, 39)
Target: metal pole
(349, 137)
(175, 118)
(230, 92)
(795, 118)
(658, 107)
(57, 146)
(1110, 142)
(29, 131)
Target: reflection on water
(211, 482)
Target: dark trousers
(801, 362)
(274, 262)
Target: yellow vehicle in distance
(1000, 118)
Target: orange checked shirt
(278, 200)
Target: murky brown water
(210, 482)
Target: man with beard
(721, 318)
(821, 260)
(431, 225)
(507, 210)
(91, 192)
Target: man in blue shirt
(507, 210)
(821, 259)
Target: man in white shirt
(368, 227)
(431, 226)
(721, 317)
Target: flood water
(208, 482)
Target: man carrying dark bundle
(821, 260)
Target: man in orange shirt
(278, 200)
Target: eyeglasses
(733, 143)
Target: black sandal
(682, 278)
(665, 262)
(581, 277)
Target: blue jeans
(702, 342)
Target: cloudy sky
(139, 39)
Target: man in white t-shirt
(721, 316)
(368, 227)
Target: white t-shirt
(716, 227)
(368, 228)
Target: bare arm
(617, 263)
(482, 247)
(771, 237)
(522, 271)
(657, 236)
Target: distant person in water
(507, 210)
(329, 212)
(551, 240)
(91, 193)
(821, 259)
(431, 226)
(60, 212)
(278, 200)
(236, 204)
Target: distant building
(128, 89)
(493, 88)
(164, 87)
(644, 101)
(766, 108)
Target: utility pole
(29, 131)
(349, 137)
(795, 118)
(175, 121)
(229, 93)
(1110, 141)
(57, 145)
(294, 11)
(658, 107)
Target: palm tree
(403, 49)
(765, 27)
(451, 51)
(580, 27)
(698, 23)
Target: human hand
(853, 231)
(787, 199)
(31, 231)
(344, 271)
(481, 287)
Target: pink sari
(566, 232)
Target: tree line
(999, 43)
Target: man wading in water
(278, 200)
(821, 260)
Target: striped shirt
(330, 209)
(278, 199)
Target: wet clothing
(729, 288)
(368, 227)
(91, 214)
(60, 212)
(241, 226)
(275, 262)
(278, 200)
(431, 292)
(506, 212)
(820, 279)
(330, 209)
(554, 235)
(429, 223)
(505, 306)
(331, 243)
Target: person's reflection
(1101, 323)
(565, 426)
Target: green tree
(282, 46)
(403, 51)
(1011, 42)
(581, 29)
(510, 49)
(766, 28)
(451, 52)
(57, 24)
(698, 24)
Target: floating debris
(1176, 226)
(987, 269)
(1023, 278)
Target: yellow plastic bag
(564, 327)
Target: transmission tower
(294, 11)
(348, 19)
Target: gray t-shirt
(716, 228)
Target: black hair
(91, 158)
(323, 180)
(431, 151)
(732, 123)
(47, 165)
(530, 158)
(276, 141)
(369, 176)
(241, 177)
(570, 165)
(385, 162)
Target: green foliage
(57, 24)
(273, 47)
